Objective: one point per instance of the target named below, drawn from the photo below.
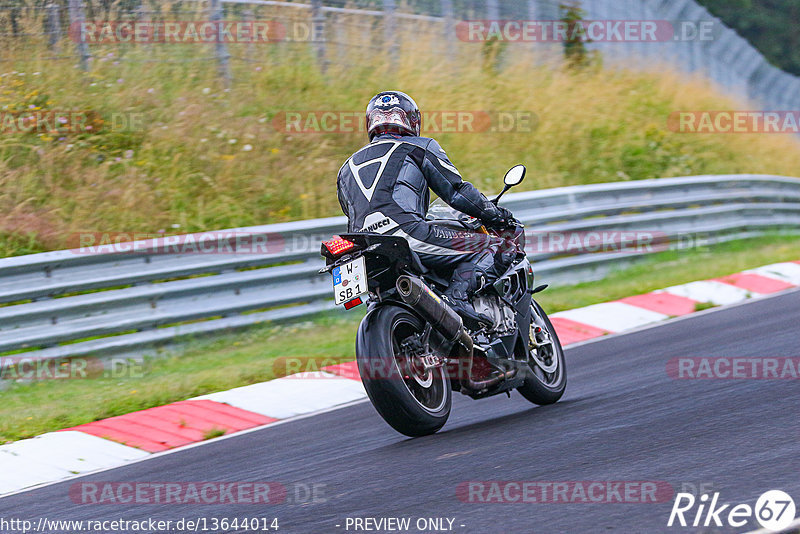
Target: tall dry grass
(206, 157)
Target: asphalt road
(623, 418)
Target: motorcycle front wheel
(546, 377)
(414, 401)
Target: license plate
(349, 281)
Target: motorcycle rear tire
(389, 390)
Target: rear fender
(387, 257)
(392, 247)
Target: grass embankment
(202, 158)
(262, 353)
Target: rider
(384, 188)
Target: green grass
(205, 159)
(206, 366)
(700, 306)
(213, 433)
(267, 352)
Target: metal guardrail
(140, 298)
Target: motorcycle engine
(502, 316)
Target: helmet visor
(394, 117)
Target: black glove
(500, 219)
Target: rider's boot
(466, 280)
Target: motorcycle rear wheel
(413, 402)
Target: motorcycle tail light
(338, 245)
(353, 303)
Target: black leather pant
(445, 250)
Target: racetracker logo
(622, 241)
(728, 122)
(25, 368)
(565, 492)
(217, 242)
(68, 122)
(177, 493)
(607, 31)
(177, 32)
(774, 510)
(726, 368)
(433, 122)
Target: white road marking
(613, 316)
(292, 395)
(59, 455)
(711, 291)
(785, 272)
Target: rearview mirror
(515, 175)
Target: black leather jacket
(392, 176)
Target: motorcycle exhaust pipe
(419, 296)
(447, 322)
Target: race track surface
(623, 418)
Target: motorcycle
(413, 350)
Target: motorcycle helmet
(393, 112)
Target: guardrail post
(493, 60)
(53, 26)
(318, 33)
(220, 47)
(390, 31)
(76, 20)
(341, 37)
(492, 10)
(550, 10)
(449, 26)
(248, 17)
(142, 14)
